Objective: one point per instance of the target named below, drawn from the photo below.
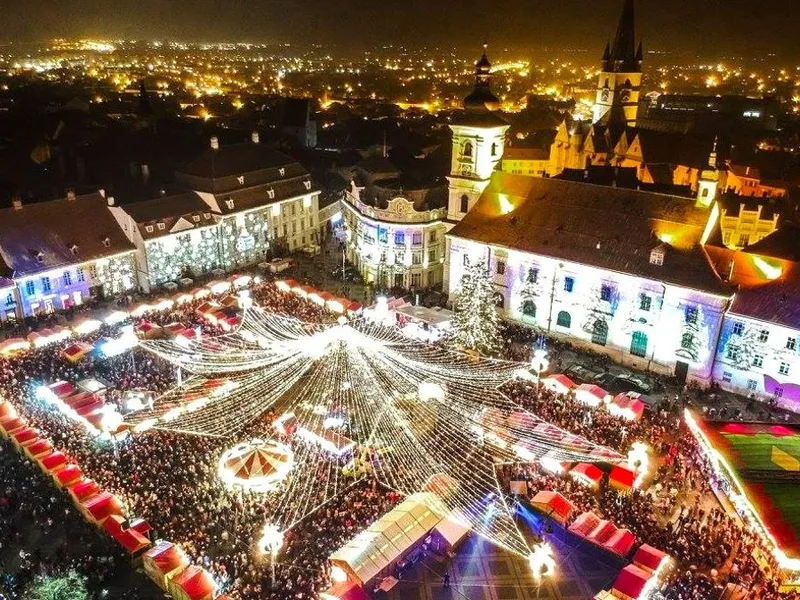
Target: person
(447, 579)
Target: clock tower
(619, 84)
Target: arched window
(704, 193)
(464, 203)
(466, 150)
(494, 149)
(564, 319)
(639, 344)
(529, 308)
(600, 333)
(499, 300)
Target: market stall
(193, 583)
(587, 473)
(628, 406)
(585, 524)
(129, 538)
(553, 505)
(622, 478)
(559, 384)
(163, 562)
(590, 394)
(631, 583)
(621, 542)
(650, 559)
(76, 352)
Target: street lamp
(271, 541)
(541, 561)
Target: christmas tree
(530, 291)
(744, 348)
(476, 323)
(694, 335)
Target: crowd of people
(171, 480)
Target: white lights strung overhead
(361, 399)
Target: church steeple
(623, 51)
(481, 96)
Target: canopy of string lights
(358, 399)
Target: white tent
(390, 538)
(453, 528)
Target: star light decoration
(359, 399)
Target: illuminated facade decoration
(397, 246)
(525, 161)
(745, 222)
(176, 236)
(266, 201)
(575, 261)
(61, 253)
(620, 80)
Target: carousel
(256, 465)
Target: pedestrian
(447, 579)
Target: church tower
(478, 143)
(709, 180)
(618, 86)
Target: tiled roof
(605, 227)
(253, 197)
(478, 118)
(41, 236)
(783, 243)
(774, 302)
(156, 217)
(238, 166)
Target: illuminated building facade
(265, 200)
(745, 222)
(579, 262)
(60, 253)
(396, 238)
(175, 235)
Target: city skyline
(715, 29)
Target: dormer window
(229, 204)
(657, 256)
(282, 171)
(206, 216)
(74, 249)
(161, 227)
(271, 194)
(148, 228)
(307, 184)
(39, 256)
(107, 242)
(196, 218)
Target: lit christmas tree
(70, 586)
(530, 291)
(694, 335)
(744, 348)
(476, 324)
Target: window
(229, 204)
(81, 274)
(645, 302)
(107, 242)
(464, 203)
(148, 228)
(783, 369)
(727, 376)
(791, 343)
(399, 238)
(282, 171)
(466, 150)
(196, 218)
(494, 149)
(533, 275)
(763, 336)
(93, 271)
(499, 300)
(600, 333)
(206, 215)
(432, 237)
(569, 284)
(657, 257)
(726, 238)
(161, 227)
(294, 208)
(432, 255)
(690, 314)
(466, 260)
(564, 319)
(67, 278)
(416, 258)
(74, 249)
(10, 299)
(758, 361)
(778, 392)
(46, 284)
(30, 288)
(529, 308)
(605, 293)
(307, 184)
(687, 339)
(500, 267)
(639, 344)
(416, 279)
(383, 235)
(416, 239)
(744, 239)
(738, 327)
(752, 385)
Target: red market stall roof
(354, 307)
(174, 328)
(69, 475)
(602, 532)
(62, 389)
(649, 558)
(553, 504)
(11, 423)
(166, 557)
(53, 461)
(86, 488)
(75, 352)
(631, 581)
(6, 409)
(39, 448)
(195, 583)
(558, 383)
(589, 392)
(347, 590)
(130, 539)
(102, 506)
(621, 543)
(26, 436)
(588, 472)
(585, 524)
(627, 406)
(622, 477)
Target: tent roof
(631, 581)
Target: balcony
(399, 210)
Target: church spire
(623, 50)
(482, 96)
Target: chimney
(110, 200)
(102, 192)
(214, 143)
(16, 203)
(70, 194)
(254, 137)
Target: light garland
(364, 395)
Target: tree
(743, 348)
(530, 291)
(476, 323)
(68, 586)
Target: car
(278, 265)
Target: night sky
(713, 28)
